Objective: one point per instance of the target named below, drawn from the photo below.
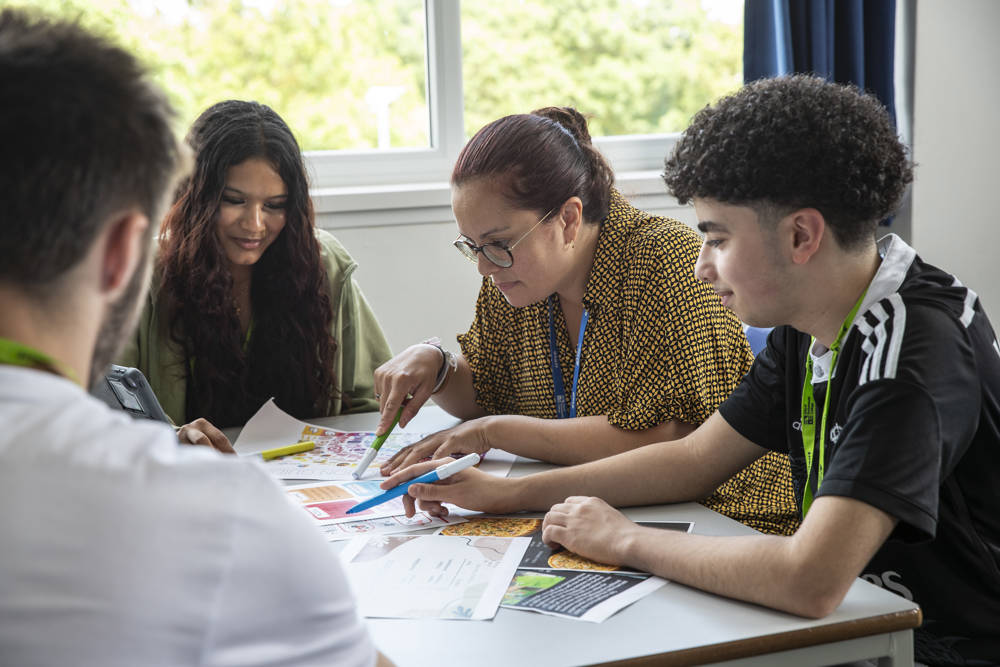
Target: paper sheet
(538, 554)
(386, 526)
(327, 503)
(585, 596)
(337, 453)
(431, 576)
(559, 582)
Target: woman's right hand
(470, 437)
(203, 432)
(406, 380)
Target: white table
(676, 625)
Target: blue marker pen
(439, 473)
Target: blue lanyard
(557, 378)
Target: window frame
(373, 167)
(415, 175)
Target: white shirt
(119, 547)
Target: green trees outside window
(352, 74)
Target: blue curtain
(847, 41)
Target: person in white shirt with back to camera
(118, 546)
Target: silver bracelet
(448, 360)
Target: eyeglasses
(496, 252)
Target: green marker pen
(373, 450)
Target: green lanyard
(809, 409)
(13, 353)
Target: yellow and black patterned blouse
(659, 345)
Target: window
(633, 66)
(344, 74)
(639, 69)
(381, 92)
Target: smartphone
(127, 389)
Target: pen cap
(449, 469)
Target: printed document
(431, 576)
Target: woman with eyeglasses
(591, 335)
(249, 299)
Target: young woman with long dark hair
(249, 299)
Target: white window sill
(422, 203)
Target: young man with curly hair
(881, 381)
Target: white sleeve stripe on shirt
(898, 327)
(882, 355)
(867, 348)
(969, 308)
(881, 336)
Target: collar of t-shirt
(896, 259)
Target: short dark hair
(84, 134)
(543, 159)
(795, 142)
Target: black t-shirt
(913, 429)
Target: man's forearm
(754, 568)
(649, 475)
(807, 574)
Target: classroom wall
(418, 286)
(956, 142)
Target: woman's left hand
(470, 437)
(203, 432)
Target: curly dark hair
(544, 157)
(794, 142)
(290, 352)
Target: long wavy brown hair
(289, 354)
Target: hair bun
(544, 157)
(569, 118)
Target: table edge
(783, 641)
